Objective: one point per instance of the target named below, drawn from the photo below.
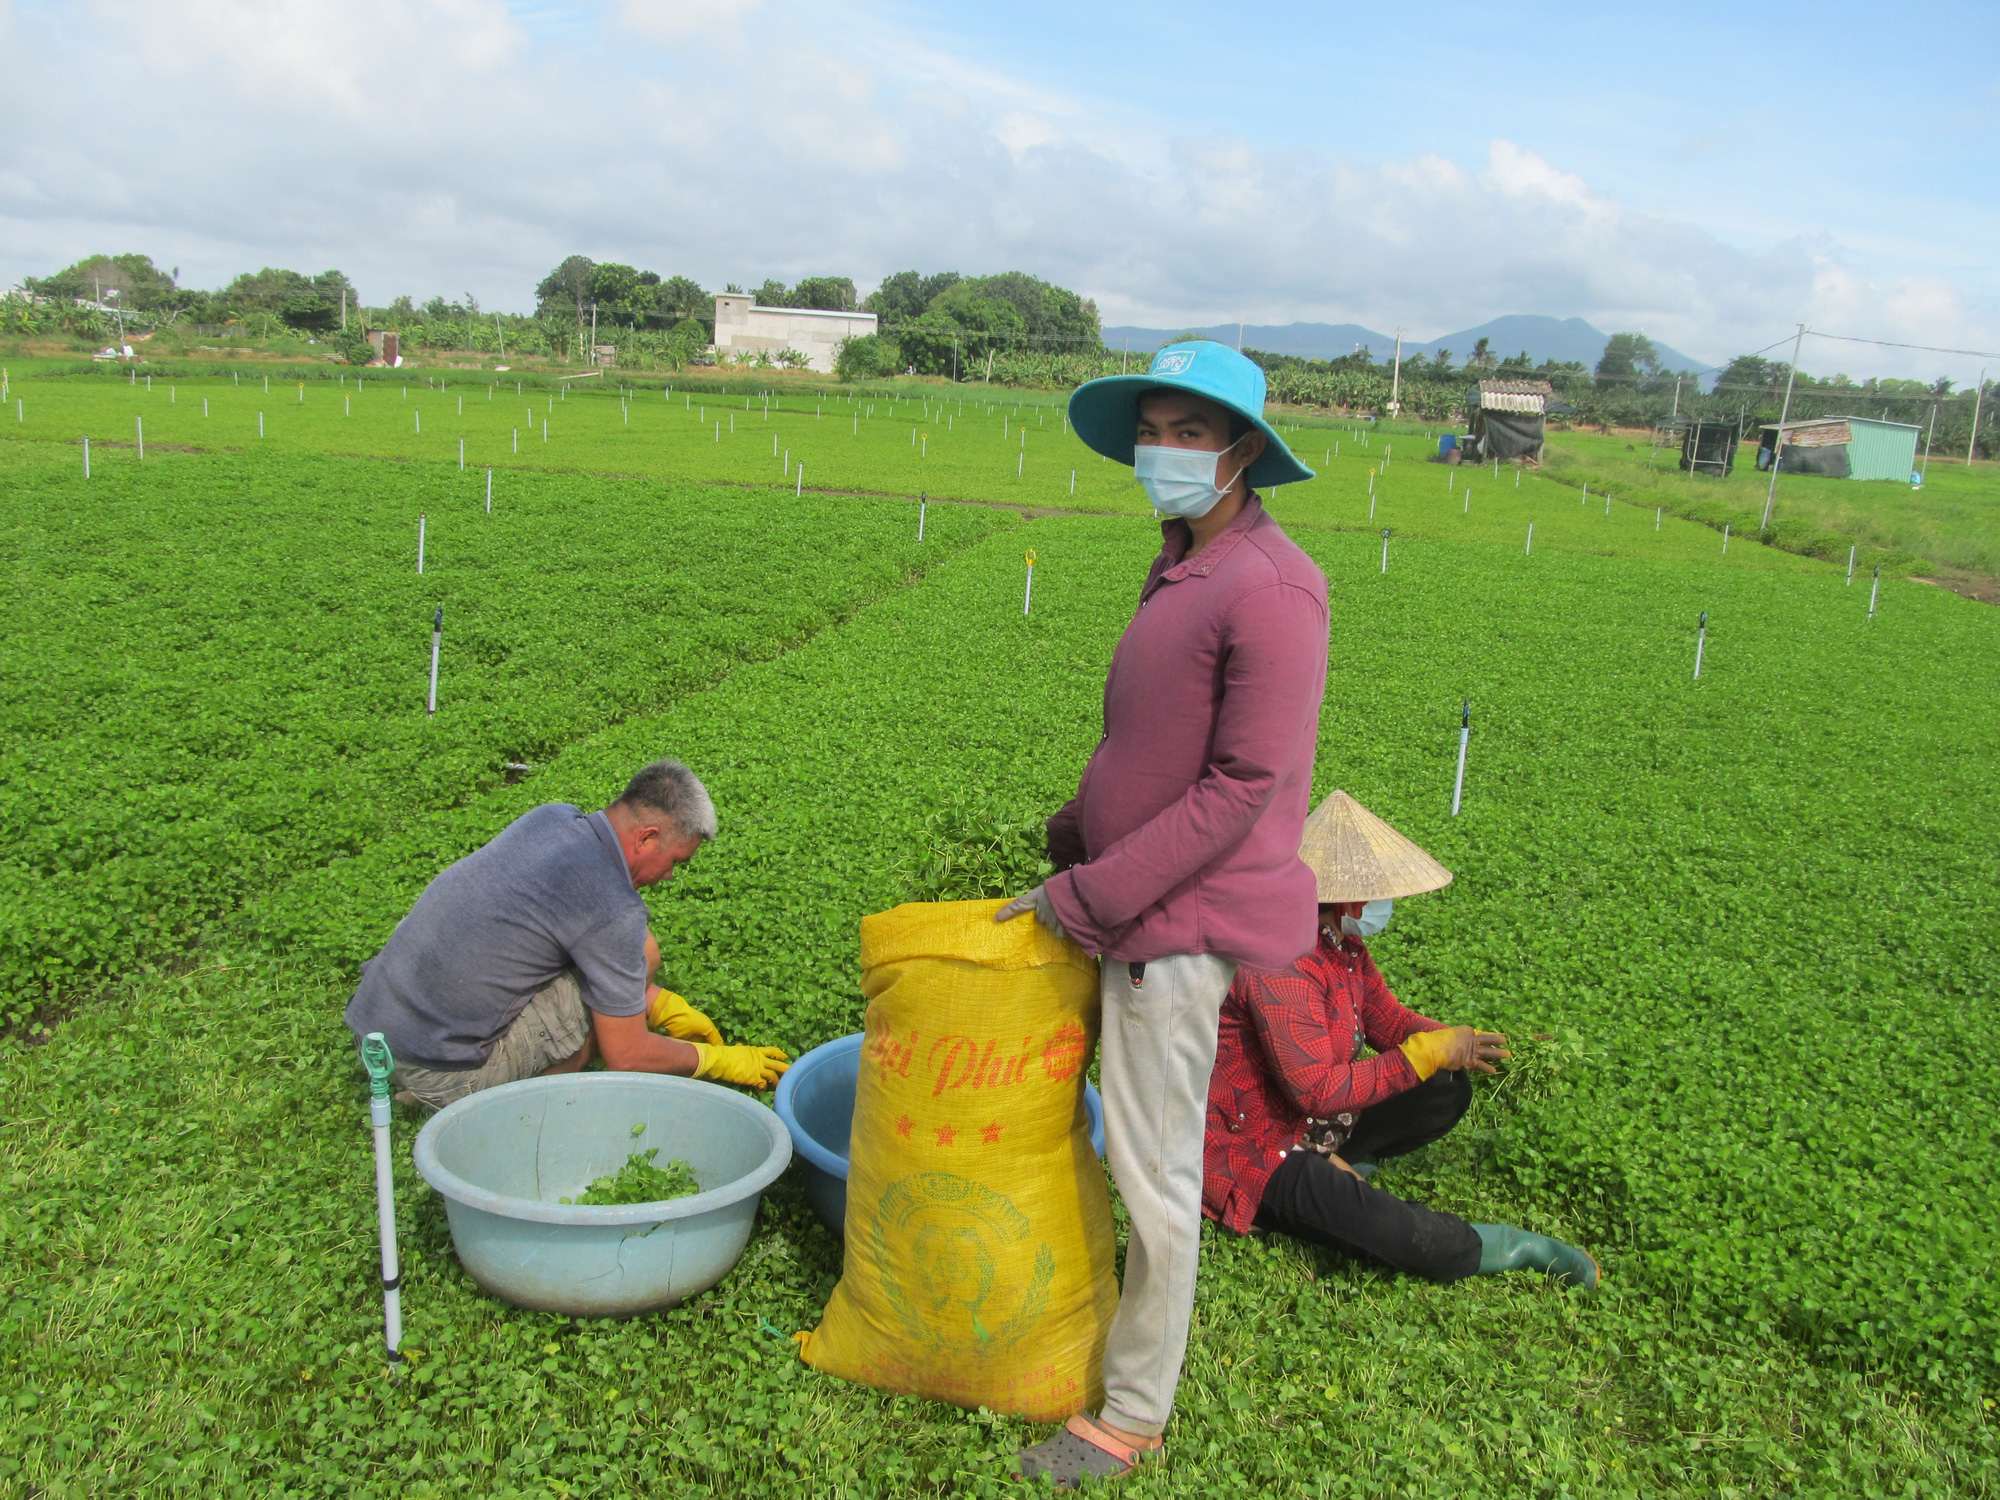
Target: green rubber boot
(1502, 1247)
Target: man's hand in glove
(1036, 901)
(753, 1067)
(668, 1012)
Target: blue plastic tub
(1446, 442)
(503, 1157)
(816, 1103)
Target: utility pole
(1972, 442)
(1396, 379)
(343, 309)
(1239, 335)
(593, 333)
(1778, 448)
(1926, 468)
(1677, 398)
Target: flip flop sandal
(1069, 1457)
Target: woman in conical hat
(1297, 1118)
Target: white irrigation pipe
(1385, 549)
(461, 455)
(376, 1057)
(1725, 538)
(1529, 550)
(1028, 594)
(1464, 737)
(420, 543)
(1700, 641)
(437, 642)
(801, 488)
(86, 458)
(1874, 593)
(139, 428)
(489, 492)
(260, 424)
(923, 504)
(1850, 550)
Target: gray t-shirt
(550, 893)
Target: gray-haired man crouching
(532, 954)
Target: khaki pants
(1158, 1052)
(550, 1029)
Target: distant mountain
(1542, 337)
(1306, 340)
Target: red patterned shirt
(1287, 1067)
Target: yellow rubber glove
(753, 1067)
(1428, 1051)
(668, 1012)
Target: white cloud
(440, 145)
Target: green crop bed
(215, 670)
(1742, 931)
(1011, 448)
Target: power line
(1888, 344)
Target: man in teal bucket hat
(1178, 858)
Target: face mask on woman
(1374, 917)
(1181, 481)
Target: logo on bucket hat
(1171, 362)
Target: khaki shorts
(551, 1028)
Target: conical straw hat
(1358, 857)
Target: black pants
(1312, 1199)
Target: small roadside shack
(1709, 447)
(1842, 448)
(1505, 419)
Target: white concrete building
(742, 327)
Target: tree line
(1014, 328)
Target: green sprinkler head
(376, 1058)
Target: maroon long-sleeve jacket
(1183, 836)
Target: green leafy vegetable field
(1743, 931)
(215, 670)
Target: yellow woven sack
(979, 1248)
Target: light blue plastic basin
(816, 1103)
(503, 1157)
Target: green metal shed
(1844, 448)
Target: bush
(867, 357)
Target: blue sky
(1710, 174)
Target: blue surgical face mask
(1181, 481)
(1374, 917)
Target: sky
(1709, 174)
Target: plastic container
(816, 1103)
(501, 1159)
(1446, 442)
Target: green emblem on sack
(936, 1242)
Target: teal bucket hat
(1105, 413)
